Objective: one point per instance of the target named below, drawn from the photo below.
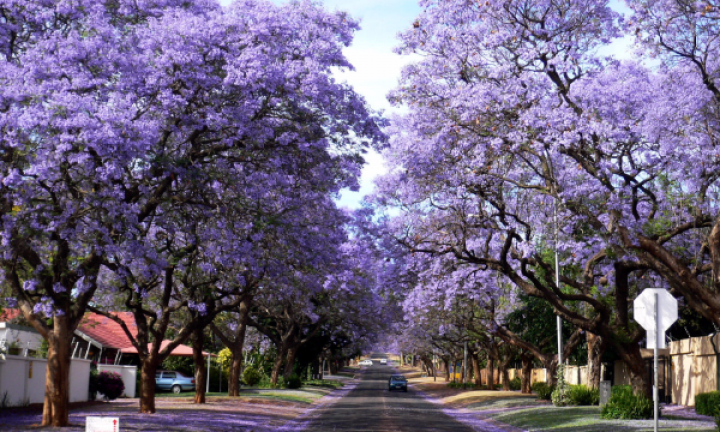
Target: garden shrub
(110, 384)
(251, 376)
(583, 395)
(293, 382)
(626, 405)
(459, 385)
(542, 390)
(706, 403)
(515, 383)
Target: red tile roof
(109, 333)
(9, 314)
(106, 331)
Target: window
(157, 375)
(169, 375)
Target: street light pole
(557, 283)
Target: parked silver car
(174, 381)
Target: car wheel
(176, 389)
(405, 389)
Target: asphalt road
(369, 407)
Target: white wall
(128, 374)
(23, 378)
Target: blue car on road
(174, 381)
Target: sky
(377, 67)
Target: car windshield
(397, 378)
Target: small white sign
(102, 424)
(644, 313)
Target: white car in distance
(383, 361)
(366, 363)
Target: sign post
(655, 310)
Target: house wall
(22, 339)
(23, 379)
(128, 374)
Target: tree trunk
(237, 347)
(290, 361)
(550, 364)
(476, 370)
(200, 371)
(526, 386)
(57, 378)
(236, 364)
(630, 355)
(504, 374)
(596, 349)
(278, 365)
(491, 373)
(447, 369)
(333, 367)
(147, 386)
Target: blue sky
(377, 68)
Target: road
(369, 407)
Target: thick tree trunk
(504, 374)
(147, 386)
(198, 341)
(332, 364)
(526, 385)
(290, 361)
(57, 377)
(596, 349)
(550, 364)
(236, 364)
(476, 370)
(447, 369)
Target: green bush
(110, 384)
(251, 376)
(542, 390)
(515, 383)
(293, 382)
(625, 405)
(717, 417)
(583, 395)
(459, 385)
(706, 403)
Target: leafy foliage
(293, 382)
(543, 390)
(516, 383)
(626, 405)
(707, 403)
(110, 384)
(559, 394)
(251, 376)
(582, 395)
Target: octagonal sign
(644, 313)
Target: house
(18, 339)
(97, 338)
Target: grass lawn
(305, 395)
(587, 419)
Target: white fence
(128, 375)
(22, 379)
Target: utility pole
(557, 283)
